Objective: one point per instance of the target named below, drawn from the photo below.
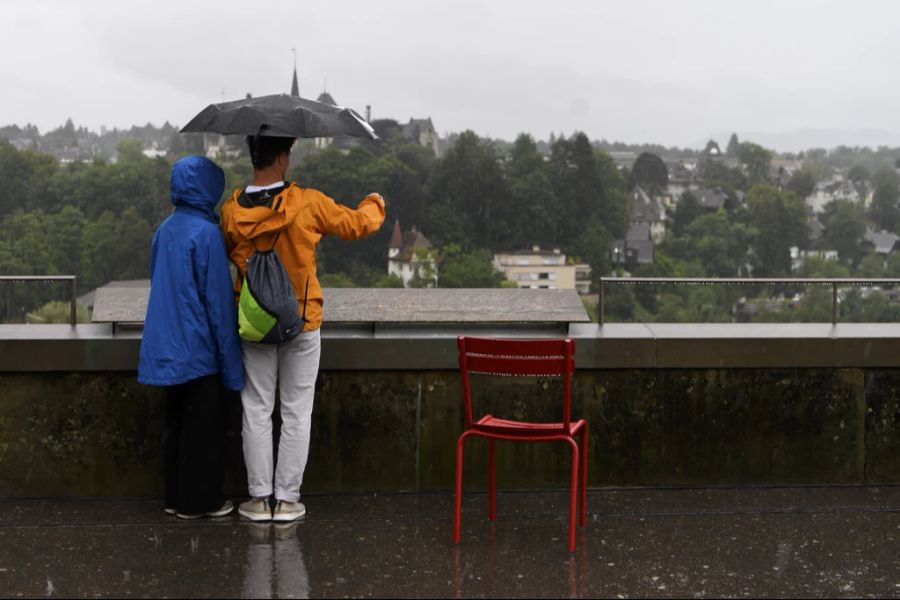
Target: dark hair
(264, 150)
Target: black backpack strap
(305, 296)
(271, 248)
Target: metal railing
(833, 282)
(73, 318)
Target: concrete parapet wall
(93, 433)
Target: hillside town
(681, 211)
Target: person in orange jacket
(274, 213)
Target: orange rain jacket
(303, 216)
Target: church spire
(295, 86)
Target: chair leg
(584, 468)
(573, 492)
(457, 509)
(492, 482)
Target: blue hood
(197, 182)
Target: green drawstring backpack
(267, 309)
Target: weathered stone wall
(98, 433)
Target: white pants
(293, 367)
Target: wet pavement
(719, 542)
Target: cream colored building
(543, 269)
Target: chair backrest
(512, 357)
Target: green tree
(718, 244)
(100, 252)
(705, 305)
(23, 244)
(892, 266)
(877, 309)
(816, 306)
(594, 245)
(468, 188)
(58, 311)
(733, 145)
(337, 280)
(850, 307)
(460, 269)
(672, 309)
(130, 150)
(133, 238)
(649, 172)
(845, 227)
(884, 211)
(716, 174)
(859, 174)
(424, 272)
(802, 183)
(779, 219)
(619, 303)
(588, 184)
(819, 268)
(26, 178)
(757, 160)
(388, 281)
(24, 251)
(65, 245)
(534, 216)
(872, 267)
(687, 212)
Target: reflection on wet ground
(794, 542)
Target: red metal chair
(543, 358)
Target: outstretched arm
(348, 223)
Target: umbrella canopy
(280, 115)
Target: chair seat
(491, 424)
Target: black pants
(193, 446)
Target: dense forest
(95, 218)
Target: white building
(831, 190)
(411, 254)
(543, 269)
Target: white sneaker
(221, 512)
(288, 511)
(256, 509)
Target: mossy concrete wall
(98, 433)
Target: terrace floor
(639, 542)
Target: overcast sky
(669, 72)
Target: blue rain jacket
(191, 326)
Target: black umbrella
(280, 115)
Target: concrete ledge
(426, 347)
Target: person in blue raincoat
(190, 342)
